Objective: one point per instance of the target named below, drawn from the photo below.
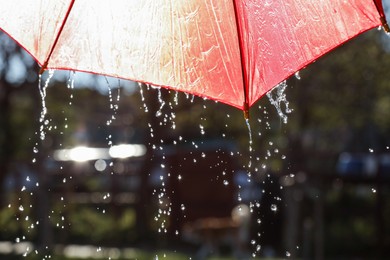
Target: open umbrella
(232, 51)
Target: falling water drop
(202, 132)
(162, 103)
(141, 91)
(70, 83)
(277, 98)
(250, 143)
(43, 93)
(176, 98)
(113, 106)
(249, 130)
(297, 75)
(70, 86)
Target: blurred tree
(85, 116)
(340, 103)
(17, 81)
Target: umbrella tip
(385, 25)
(246, 114)
(246, 110)
(43, 68)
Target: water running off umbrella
(277, 98)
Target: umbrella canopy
(232, 51)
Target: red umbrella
(232, 51)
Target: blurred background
(127, 171)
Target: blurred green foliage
(341, 103)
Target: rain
(166, 117)
(105, 168)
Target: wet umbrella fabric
(232, 51)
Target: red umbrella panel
(232, 51)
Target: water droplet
(21, 208)
(277, 98)
(202, 132)
(297, 76)
(274, 208)
(288, 254)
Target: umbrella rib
(243, 67)
(379, 7)
(44, 66)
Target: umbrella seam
(243, 67)
(45, 64)
(382, 16)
